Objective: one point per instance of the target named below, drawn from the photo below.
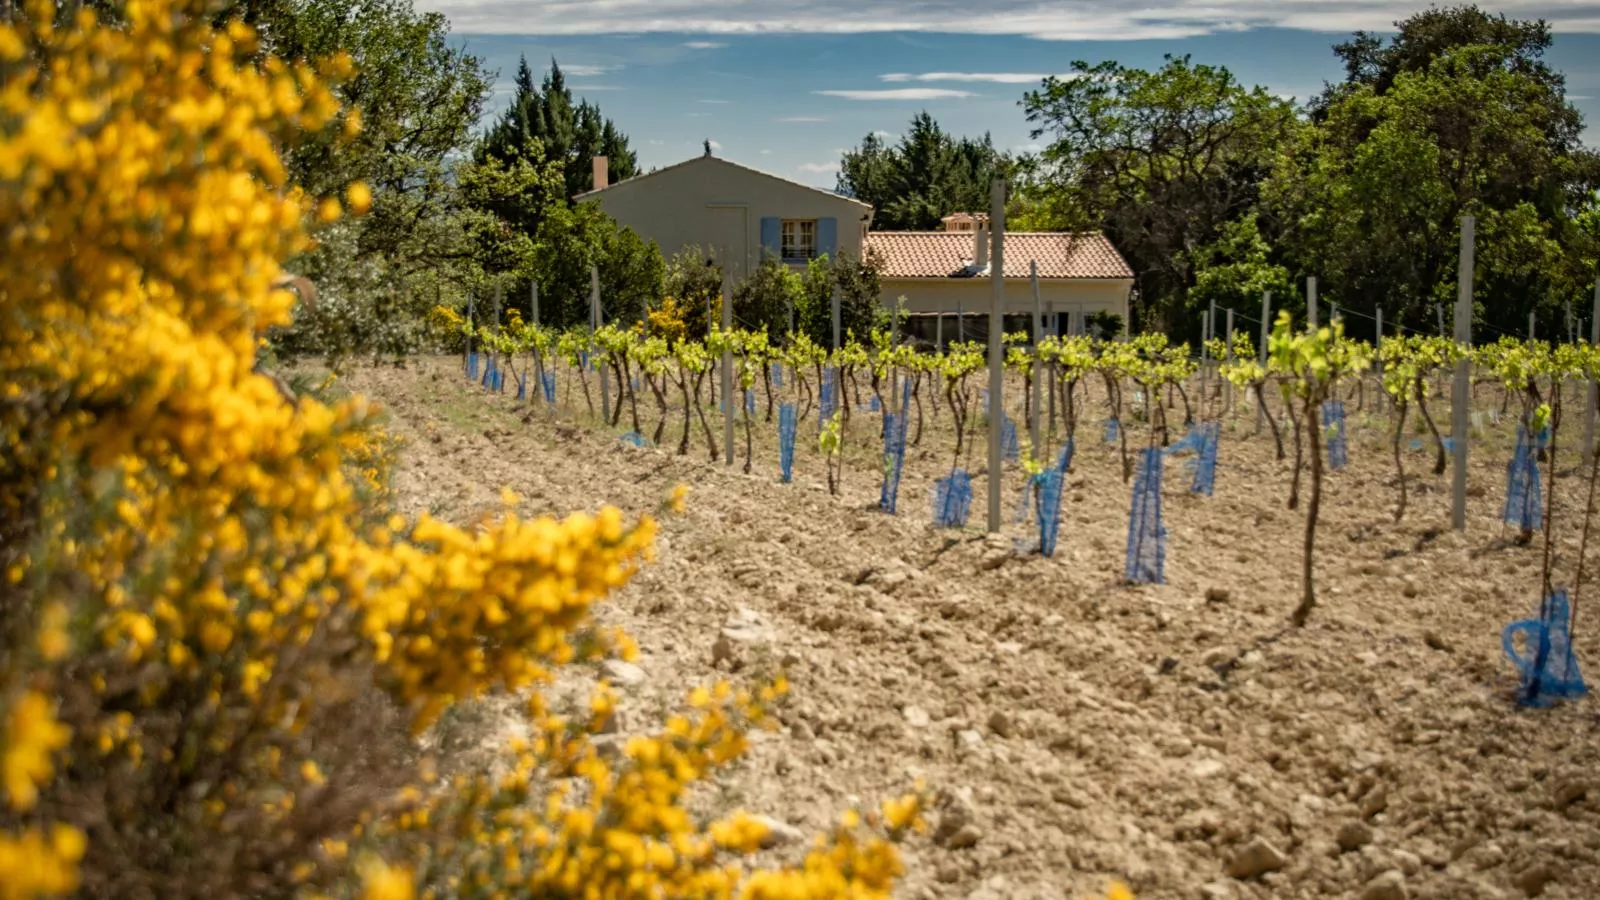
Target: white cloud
(766, 152)
(883, 134)
(899, 94)
(990, 77)
(826, 168)
(1579, 97)
(713, 102)
(705, 45)
(715, 146)
(698, 115)
(580, 88)
(582, 71)
(801, 120)
(656, 143)
(1063, 20)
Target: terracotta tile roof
(940, 254)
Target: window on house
(799, 239)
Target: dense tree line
(1218, 191)
(1212, 189)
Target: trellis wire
(1523, 507)
(952, 499)
(1145, 562)
(1549, 669)
(786, 428)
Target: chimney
(601, 173)
(980, 249)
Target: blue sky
(788, 91)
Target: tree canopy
(1161, 161)
(544, 119)
(928, 175)
(1457, 115)
(1212, 189)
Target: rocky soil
(1180, 737)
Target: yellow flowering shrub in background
(216, 639)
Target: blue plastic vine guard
(1548, 667)
(1145, 562)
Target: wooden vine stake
(1461, 395)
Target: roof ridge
(737, 165)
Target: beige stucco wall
(698, 202)
(973, 295)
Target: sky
(788, 87)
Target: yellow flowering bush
(216, 638)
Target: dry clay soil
(1180, 737)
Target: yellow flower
(379, 881)
(31, 736)
(679, 493)
(54, 643)
(34, 866)
(329, 210)
(359, 197)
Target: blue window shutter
(770, 238)
(828, 236)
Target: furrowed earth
(1180, 737)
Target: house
(735, 213)
(943, 274)
(740, 215)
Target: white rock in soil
(1391, 885)
(1257, 858)
(1208, 768)
(969, 739)
(623, 673)
(741, 636)
(916, 717)
(779, 833)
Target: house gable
(734, 213)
